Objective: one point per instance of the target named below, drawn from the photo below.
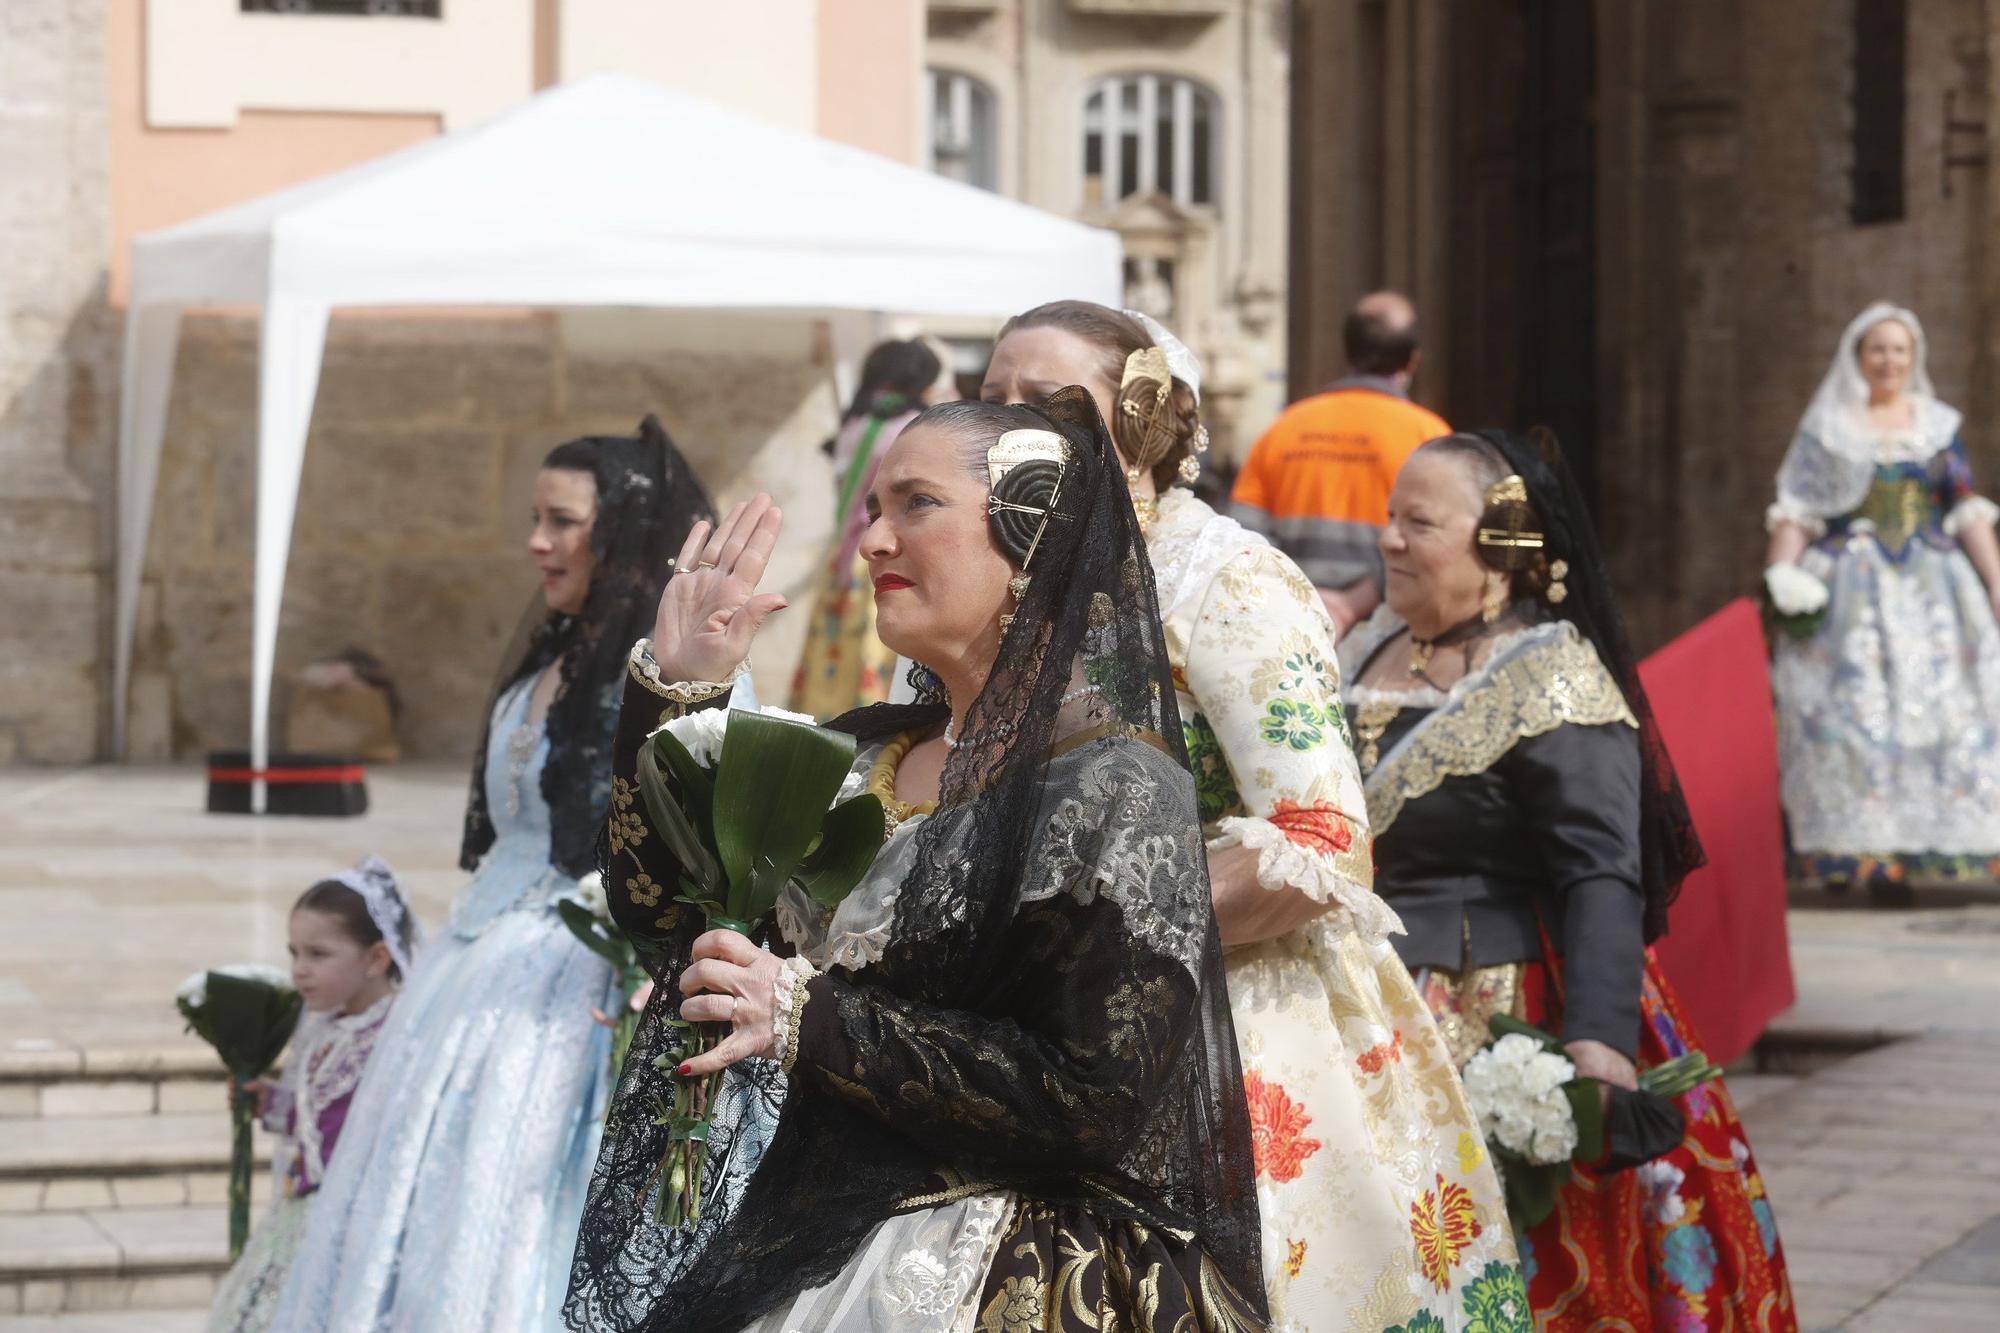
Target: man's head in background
(1381, 337)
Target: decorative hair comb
(1025, 471)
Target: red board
(1725, 950)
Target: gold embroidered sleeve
(643, 878)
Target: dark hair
(1117, 335)
(893, 379)
(1376, 343)
(332, 898)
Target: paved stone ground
(1884, 1168)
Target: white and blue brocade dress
(1889, 706)
(454, 1200)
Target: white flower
(1793, 591)
(590, 892)
(1516, 1087)
(806, 718)
(700, 734)
(193, 992)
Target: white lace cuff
(1790, 511)
(647, 672)
(1283, 864)
(1972, 512)
(788, 1007)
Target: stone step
(121, 1162)
(62, 1083)
(95, 1260)
(109, 1321)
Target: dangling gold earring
(1017, 588)
(1557, 590)
(1495, 600)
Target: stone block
(41, 1297)
(177, 1291)
(55, 712)
(84, 1294)
(72, 1193)
(367, 378)
(19, 1100)
(10, 1297)
(400, 491)
(79, 1098)
(20, 1196)
(164, 1191)
(188, 1096)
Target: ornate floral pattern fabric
(1380, 1208)
(1889, 712)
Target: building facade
(1165, 120)
(121, 116)
(1645, 224)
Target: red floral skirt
(1683, 1243)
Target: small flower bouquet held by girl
(747, 800)
(246, 1012)
(1539, 1117)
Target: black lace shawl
(647, 500)
(1668, 846)
(1020, 1032)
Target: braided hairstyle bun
(1159, 430)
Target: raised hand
(710, 608)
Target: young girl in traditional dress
(350, 941)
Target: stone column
(56, 370)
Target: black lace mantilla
(1049, 1015)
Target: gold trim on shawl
(1546, 685)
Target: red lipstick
(890, 583)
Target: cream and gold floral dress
(1380, 1208)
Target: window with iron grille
(414, 9)
(1879, 105)
(1148, 133)
(961, 129)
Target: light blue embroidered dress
(454, 1200)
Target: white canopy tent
(609, 191)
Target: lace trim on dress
(1543, 682)
(647, 672)
(1785, 510)
(1187, 545)
(1971, 512)
(1284, 864)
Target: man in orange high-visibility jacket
(1317, 484)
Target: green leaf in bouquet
(597, 935)
(1531, 1190)
(248, 1022)
(697, 784)
(1671, 1078)
(849, 842)
(684, 840)
(1586, 1103)
(1506, 1025)
(773, 785)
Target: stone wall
(56, 414)
(412, 517)
(1726, 263)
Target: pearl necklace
(1008, 728)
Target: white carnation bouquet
(1539, 1117)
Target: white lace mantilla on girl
(1379, 1205)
